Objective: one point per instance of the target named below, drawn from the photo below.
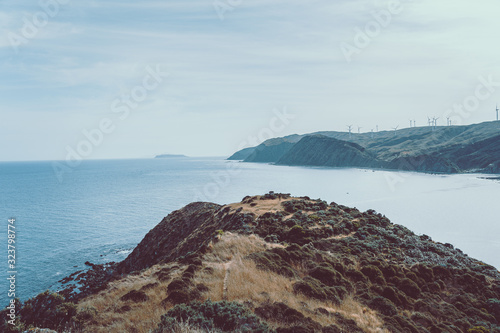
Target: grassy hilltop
(276, 263)
(441, 149)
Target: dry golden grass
(367, 319)
(247, 282)
(144, 316)
(263, 206)
(183, 327)
(231, 245)
(267, 205)
(244, 283)
(141, 318)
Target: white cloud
(262, 55)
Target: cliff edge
(277, 263)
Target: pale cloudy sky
(67, 65)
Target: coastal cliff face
(185, 231)
(277, 263)
(423, 163)
(270, 151)
(176, 235)
(482, 155)
(320, 150)
(242, 154)
(450, 149)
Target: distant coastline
(170, 156)
(442, 150)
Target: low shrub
(48, 310)
(191, 259)
(424, 272)
(390, 271)
(441, 272)
(494, 308)
(295, 329)
(202, 288)
(383, 305)
(283, 314)
(434, 287)
(177, 284)
(85, 316)
(355, 275)
(189, 272)
(329, 277)
(394, 295)
(374, 274)
(313, 288)
(18, 326)
(398, 323)
(409, 287)
(177, 297)
(149, 286)
(179, 291)
(297, 235)
(135, 296)
(346, 324)
(422, 319)
(295, 253)
(225, 316)
(331, 329)
(270, 260)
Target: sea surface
(101, 209)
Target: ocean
(101, 209)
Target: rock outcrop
(277, 263)
(183, 232)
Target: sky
(130, 79)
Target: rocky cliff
(183, 232)
(277, 263)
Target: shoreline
(470, 172)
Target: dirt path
(227, 268)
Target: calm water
(102, 209)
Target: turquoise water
(102, 209)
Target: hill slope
(443, 149)
(319, 150)
(276, 263)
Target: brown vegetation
(299, 265)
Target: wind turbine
(414, 123)
(428, 120)
(359, 129)
(435, 122)
(395, 129)
(377, 127)
(411, 123)
(350, 129)
(497, 112)
(448, 122)
(372, 133)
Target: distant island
(433, 149)
(274, 263)
(169, 156)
